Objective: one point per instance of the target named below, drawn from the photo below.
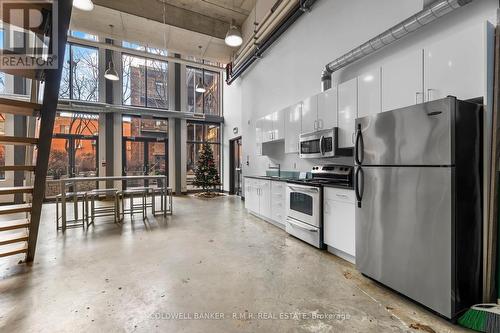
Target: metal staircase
(18, 236)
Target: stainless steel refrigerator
(419, 212)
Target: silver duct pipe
(429, 14)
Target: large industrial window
(145, 148)
(197, 135)
(207, 102)
(80, 75)
(145, 82)
(74, 150)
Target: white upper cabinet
(327, 109)
(347, 112)
(402, 81)
(293, 120)
(456, 65)
(267, 128)
(258, 135)
(369, 93)
(279, 125)
(310, 114)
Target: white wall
(290, 70)
(232, 119)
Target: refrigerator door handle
(321, 141)
(359, 146)
(359, 186)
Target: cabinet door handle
(429, 94)
(342, 196)
(416, 96)
(353, 140)
(320, 123)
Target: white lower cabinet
(266, 198)
(339, 223)
(278, 192)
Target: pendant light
(200, 85)
(111, 73)
(233, 36)
(86, 5)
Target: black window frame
(70, 79)
(219, 89)
(146, 81)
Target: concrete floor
(210, 257)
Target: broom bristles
(474, 319)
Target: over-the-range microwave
(322, 144)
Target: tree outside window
(80, 74)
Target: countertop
(278, 179)
(297, 181)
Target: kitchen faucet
(276, 167)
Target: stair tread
(14, 237)
(19, 140)
(14, 224)
(34, 74)
(20, 103)
(19, 208)
(17, 168)
(14, 249)
(16, 189)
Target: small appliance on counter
(322, 144)
(304, 211)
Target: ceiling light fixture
(233, 36)
(200, 87)
(86, 5)
(111, 73)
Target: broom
(482, 318)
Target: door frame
(232, 143)
(72, 151)
(146, 141)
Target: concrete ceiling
(209, 17)
(137, 29)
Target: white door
(456, 65)
(310, 114)
(279, 125)
(293, 120)
(258, 135)
(369, 94)
(402, 81)
(265, 198)
(327, 109)
(267, 128)
(347, 112)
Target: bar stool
(104, 211)
(135, 192)
(76, 222)
(165, 205)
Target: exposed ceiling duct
(267, 38)
(429, 14)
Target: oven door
(304, 204)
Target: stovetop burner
(330, 174)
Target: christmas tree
(206, 175)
